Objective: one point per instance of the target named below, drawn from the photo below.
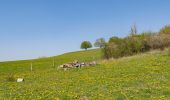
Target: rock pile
(77, 64)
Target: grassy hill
(144, 76)
(47, 63)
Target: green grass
(140, 77)
(47, 63)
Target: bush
(136, 43)
(133, 44)
(106, 51)
(119, 47)
(115, 40)
(115, 48)
(165, 30)
(11, 78)
(159, 42)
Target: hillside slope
(47, 63)
(144, 76)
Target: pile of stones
(77, 64)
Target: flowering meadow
(140, 77)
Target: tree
(100, 42)
(85, 45)
(133, 30)
(165, 30)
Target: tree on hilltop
(100, 42)
(85, 45)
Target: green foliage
(85, 45)
(165, 30)
(107, 51)
(135, 43)
(119, 47)
(100, 42)
(115, 40)
(115, 48)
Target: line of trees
(132, 44)
(98, 43)
(137, 43)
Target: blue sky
(35, 28)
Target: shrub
(115, 40)
(115, 48)
(11, 78)
(165, 30)
(136, 43)
(133, 44)
(159, 41)
(107, 50)
(119, 47)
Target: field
(140, 77)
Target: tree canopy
(85, 45)
(100, 42)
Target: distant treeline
(136, 43)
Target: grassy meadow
(140, 77)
